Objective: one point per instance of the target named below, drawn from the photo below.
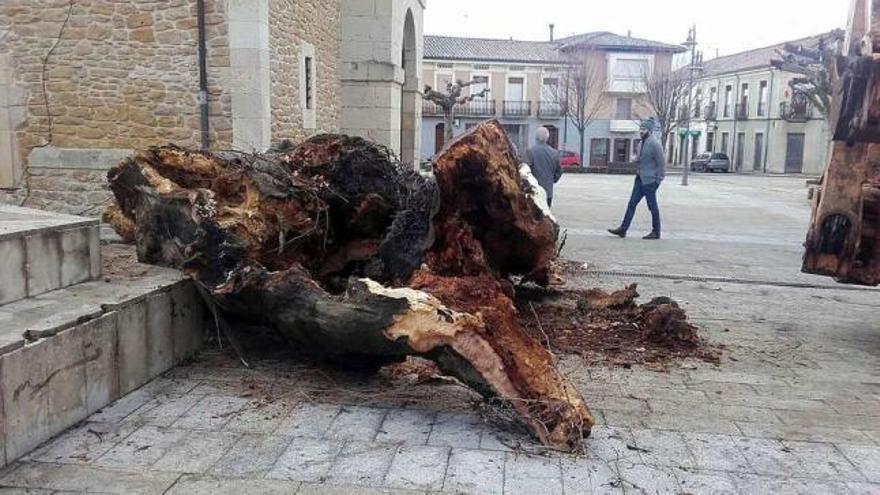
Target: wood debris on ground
(613, 328)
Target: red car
(570, 159)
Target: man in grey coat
(545, 162)
(652, 171)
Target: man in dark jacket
(545, 162)
(652, 171)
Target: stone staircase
(72, 340)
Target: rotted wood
(355, 259)
(844, 236)
(858, 110)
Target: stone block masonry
(293, 25)
(121, 75)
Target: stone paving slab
(794, 407)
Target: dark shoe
(652, 236)
(619, 232)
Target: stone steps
(72, 342)
(67, 353)
(42, 252)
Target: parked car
(570, 159)
(711, 162)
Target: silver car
(711, 162)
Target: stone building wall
(123, 74)
(117, 75)
(293, 23)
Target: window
(308, 77)
(515, 89)
(762, 99)
(550, 89)
(624, 109)
(725, 139)
(621, 150)
(628, 72)
(744, 98)
(310, 84)
(712, 111)
(480, 83)
(598, 152)
(728, 100)
(698, 103)
(710, 141)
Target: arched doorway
(410, 93)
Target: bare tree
(665, 97)
(583, 93)
(450, 99)
(816, 69)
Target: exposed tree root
(352, 258)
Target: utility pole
(691, 44)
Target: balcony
(795, 111)
(742, 111)
(477, 108)
(711, 112)
(550, 110)
(517, 108)
(430, 109)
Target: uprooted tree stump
(355, 259)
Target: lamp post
(694, 66)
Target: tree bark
(356, 259)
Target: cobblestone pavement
(794, 407)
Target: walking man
(652, 171)
(545, 162)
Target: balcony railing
(477, 108)
(795, 111)
(517, 108)
(710, 112)
(550, 110)
(742, 111)
(431, 108)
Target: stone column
(249, 79)
(375, 83)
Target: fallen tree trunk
(355, 259)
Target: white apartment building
(746, 109)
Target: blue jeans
(649, 192)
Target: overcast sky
(726, 26)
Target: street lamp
(693, 67)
